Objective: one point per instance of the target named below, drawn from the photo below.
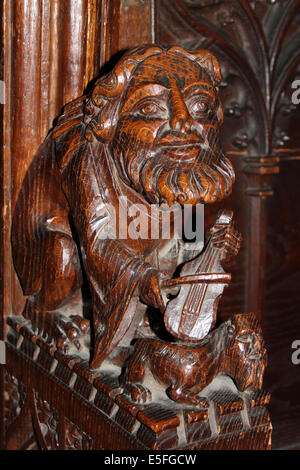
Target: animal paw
(58, 330)
(138, 393)
(189, 398)
(69, 331)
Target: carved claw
(138, 393)
(62, 344)
(70, 331)
(56, 329)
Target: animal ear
(209, 62)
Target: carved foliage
(75, 439)
(14, 396)
(47, 420)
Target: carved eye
(199, 107)
(244, 338)
(150, 109)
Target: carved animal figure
(148, 131)
(235, 349)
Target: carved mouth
(180, 140)
(180, 144)
(188, 152)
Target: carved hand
(150, 288)
(229, 238)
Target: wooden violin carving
(192, 314)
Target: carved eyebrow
(202, 87)
(149, 91)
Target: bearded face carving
(165, 141)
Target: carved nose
(180, 120)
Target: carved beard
(207, 179)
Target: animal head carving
(245, 354)
(159, 112)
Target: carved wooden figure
(142, 144)
(147, 132)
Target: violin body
(192, 313)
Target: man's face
(167, 130)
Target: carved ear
(101, 112)
(101, 119)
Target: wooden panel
(43, 68)
(282, 302)
(128, 23)
(281, 313)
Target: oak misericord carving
(145, 137)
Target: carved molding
(227, 419)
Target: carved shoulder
(68, 134)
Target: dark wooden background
(52, 49)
